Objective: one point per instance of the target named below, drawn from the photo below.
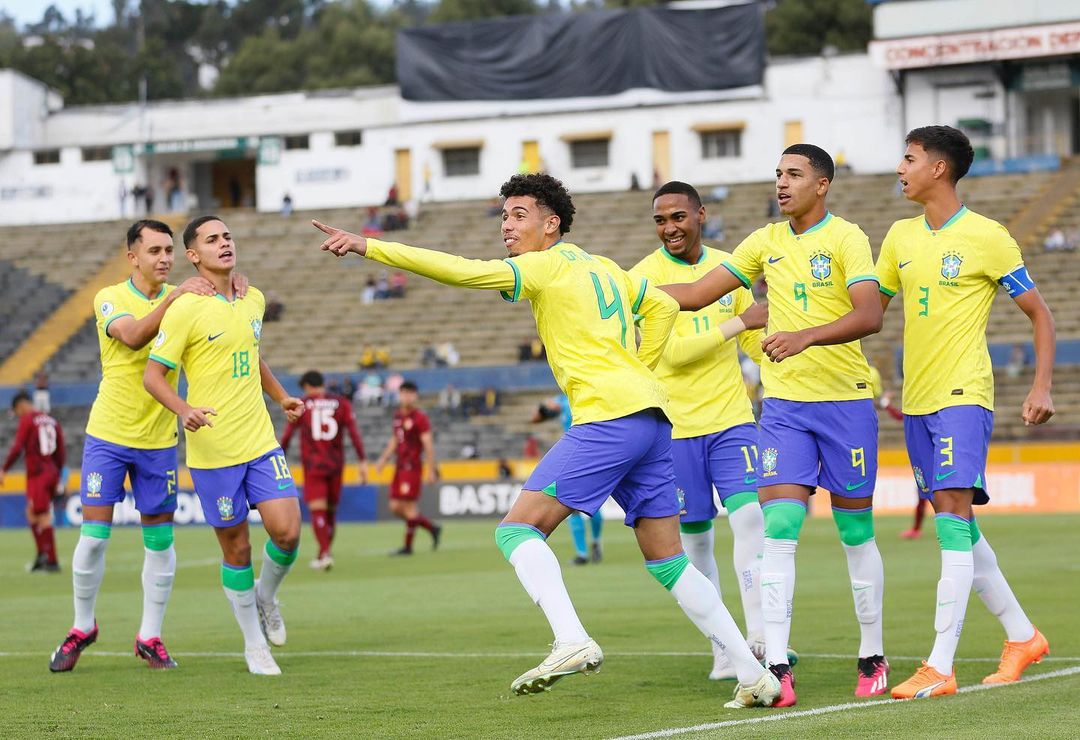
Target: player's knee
(783, 518)
(856, 527)
(237, 552)
(509, 535)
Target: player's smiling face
(213, 248)
(798, 186)
(678, 224)
(918, 172)
(152, 255)
(526, 226)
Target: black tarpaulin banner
(570, 55)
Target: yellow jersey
(584, 307)
(216, 342)
(123, 412)
(948, 278)
(808, 276)
(700, 370)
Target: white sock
(777, 596)
(159, 569)
(748, 527)
(954, 588)
(247, 616)
(538, 570)
(699, 548)
(701, 602)
(87, 570)
(993, 589)
(270, 577)
(867, 588)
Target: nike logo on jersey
(212, 337)
(943, 476)
(853, 486)
(283, 486)
(859, 588)
(748, 479)
(946, 603)
(902, 265)
(774, 260)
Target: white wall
(942, 96)
(926, 17)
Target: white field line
(846, 707)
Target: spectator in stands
(274, 307)
(348, 387)
(717, 194)
(505, 471)
(1018, 360)
(148, 198)
(428, 356)
(372, 226)
(470, 450)
(450, 400)
(42, 398)
(841, 162)
(531, 449)
(370, 392)
(367, 295)
(392, 388)
(395, 220)
(174, 191)
(772, 207)
(1055, 240)
(236, 193)
(427, 195)
(286, 205)
(490, 403)
(531, 349)
(382, 287)
(392, 196)
(447, 355)
(382, 357)
(122, 194)
(398, 281)
(367, 357)
(713, 230)
(634, 184)
(1072, 240)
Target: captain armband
(1017, 282)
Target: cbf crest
(726, 300)
(950, 265)
(920, 479)
(93, 484)
(256, 328)
(225, 508)
(821, 265)
(768, 461)
(681, 495)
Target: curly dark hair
(548, 192)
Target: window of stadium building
(718, 144)
(96, 153)
(348, 138)
(47, 156)
(589, 153)
(297, 142)
(461, 162)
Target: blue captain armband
(1017, 282)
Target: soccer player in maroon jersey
(411, 440)
(322, 451)
(39, 436)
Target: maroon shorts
(319, 487)
(407, 484)
(40, 490)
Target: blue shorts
(152, 474)
(832, 444)
(628, 459)
(226, 494)
(725, 460)
(948, 449)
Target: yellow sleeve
(745, 261)
(108, 307)
(749, 340)
(446, 268)
(887, 272)
(659, 311)
(681, 351)
(172, 339)
(856, 259)
(1002, 253)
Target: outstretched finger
(324, 228)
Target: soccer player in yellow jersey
(714, 437)
(232, 452)
(948, 262)
(129, 436)
(818, 423)
(620, 441)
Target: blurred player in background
(234, 457)
(949, 262)
(559, 406)
(129, 435)
(412, 444)
(322, 452)
(620, 441)
(885, 403)
(818, 422)
(40, 438)
(714, 437)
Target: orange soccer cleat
(1017, 656)
(925, 683)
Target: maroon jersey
(322, 444)
(40, 438)
(408, 426)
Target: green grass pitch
(427, 646)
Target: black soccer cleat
(436, 535)
(154, 653)
(53, 567)
(402, 551)
(38, 564)
(67, 655)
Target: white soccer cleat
(722, 669)
(324, 563)
(579, 657)
(762, 693)
(273, 626)
(260, 661)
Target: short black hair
(19, 398)
(679, 188)
(548, 192)
(312, 379)
(193, 226)
(134, 232)
(408, 385)
(820, 160)
(951, 144)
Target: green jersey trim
(163, 361)
(678, 261)
(819, 225)
(516, 295)
(886, 291)
(641, 296)
(112, 319)
(136, 291)
(952, 219)
(862, 278)
(735, 271)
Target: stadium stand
(26, 299)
